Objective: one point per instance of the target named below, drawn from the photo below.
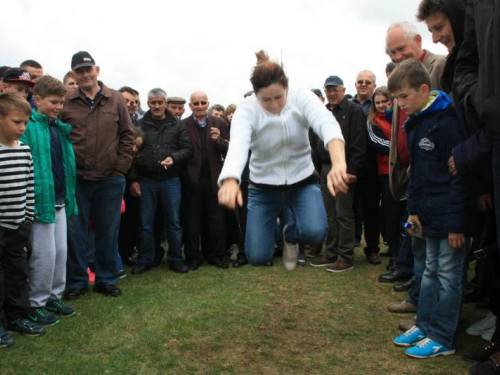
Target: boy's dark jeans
(14, 302)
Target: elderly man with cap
(102, 138)
(175, 105)
(340, 237)
(17, 81)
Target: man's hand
(451, 166)
(456, 240)
(415, 220)
(230, 194)
(484, 202)
(168, 162)
(337, 179)
(352, 178)
(215, 135)
(135, 189)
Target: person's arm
(357, 142)
(378, 140)
(30, 192)
(126, 139)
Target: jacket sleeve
(357, 142)
(126, 139)
(224, 135)
(377, 139)
(184, 151)
(133, 173)
(461, 195)
(474, 153)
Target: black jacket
(352, 122)
(172, 139)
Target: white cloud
(190, 45)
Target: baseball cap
(176, 100)
(13, 75)
(334, 81)
(81, 59)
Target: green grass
(253, 320)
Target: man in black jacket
(340, 237)
(155, 176)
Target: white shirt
(281, 153)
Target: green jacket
(37, 137)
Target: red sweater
(383, 160)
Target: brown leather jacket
(398, 174)
(102, 136)
(215, 152)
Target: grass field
(253, 320)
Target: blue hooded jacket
(444, 203)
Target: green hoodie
(37, 137)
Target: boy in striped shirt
(16, 217)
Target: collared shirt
(90, 101)
(200, 124)
(366, 104)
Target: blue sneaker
(410, 337)
(428, 348)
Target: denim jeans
(305, 219)
(168, 193)
(418, 248)
(103, 200)
(441, 290)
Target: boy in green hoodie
(440, 204)
(55, 180)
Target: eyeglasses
(364, 81)
(196, 104)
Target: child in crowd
(17, 81)
(55, 184)
(16, 218)
(440, 205)
(379, 132)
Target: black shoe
(159, 254)
(5, 339)
(392, 265)
(194, 264)
(403, 287)
(393, 277)
(219, 264)
(72, 294)
(482, 354)
(109, 290)
(387, 253)
(26, 327)
(488, 367)
(179, 267)
(240, 262)
(129, 262)
(141, 268)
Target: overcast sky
(187, 45)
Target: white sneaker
(290, 253)
(488, 335)
(484, 325)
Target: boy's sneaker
(43, 317)
(484, 325)
(60, 308)
(290, 253)
(122, 274)
(428, 348)
(26, 327)
(5, 339)
(410, 337)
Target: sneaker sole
(339, 271)
(26, 334)
(449, 352)
(402, 345)
(322, 265)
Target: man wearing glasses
(202, 213)
(131, 97)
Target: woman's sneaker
(26, 327)
(43, 317)
(428, 348)
(5, 339)
(290, 253)
(60, 308)
(410, 337)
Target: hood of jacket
(438, 102)
(455, 10)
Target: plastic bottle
(417, 231)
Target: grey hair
(368, 71)
(409, 30)
(157, 92)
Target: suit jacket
(215, 151)
(398, 176)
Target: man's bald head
(365, 85)
(198, 102)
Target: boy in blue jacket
(440, 205)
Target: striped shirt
(17, 196)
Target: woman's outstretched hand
(230, 194)
(337, 179)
